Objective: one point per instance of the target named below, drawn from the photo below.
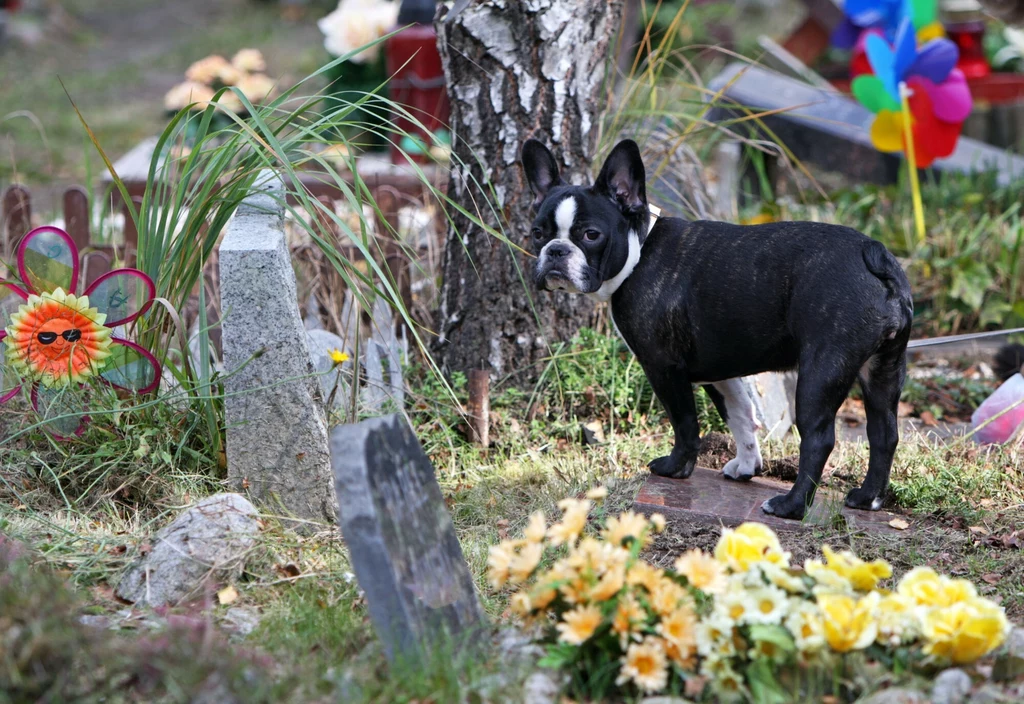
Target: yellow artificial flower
(536, 528)
(702, 571)
(667, 596)
(574, 520)
(598, 494)
(257, 87)
(629, 615)
(659, 523)
(783, 578)
(863, 576)
(498, 559)
(572, 586)
(188, 93)
(849, 623)
(899, 619)
(714, 635)
(827, 581)
(679, 629)
(748, 544)
(627, 527)
(644, 575)
(520, 604)
(646, 665)
(737, 605)
(923, 585)
(609, 585)
(249, 60)
(805, 624)
(770, 605)
(965, 631)
(955, 591)
(541, 596)
(579, 624)
(338, 357)
(525, 562)
(210, 69)
(727, 684)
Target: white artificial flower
(356, 23)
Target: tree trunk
(515, 70)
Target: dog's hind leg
(822, 384)
(881, 379)
(739, 415)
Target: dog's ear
(623, 179)
(541, 170)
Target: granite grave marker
(400, 538)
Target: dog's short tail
(887, 270)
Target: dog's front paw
(864, 500)
(785, 506)
(672, 467)
(741, 471)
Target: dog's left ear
(541, 170)
(623, 178)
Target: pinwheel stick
(915, 184)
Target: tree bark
(515, 69)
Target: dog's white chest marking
(612, 285)
(565, 216)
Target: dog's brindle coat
(710, 302)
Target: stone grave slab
(708, 497)
(400, 538)
(277, 445)
(830, 130)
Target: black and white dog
(710, 302)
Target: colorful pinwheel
(55, 339)
(939, 99)
(885, 16)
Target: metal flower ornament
(56, 340)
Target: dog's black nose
(557, 250)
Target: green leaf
(777, 635)
(764, 688)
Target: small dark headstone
(400, 538)
(830, 130)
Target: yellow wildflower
(574, 519)
(668, 596)
(627, 527)
(702, 571)
(579, 624)
(249, 60)
(805, 624)
(645, 665)
(598, 493)
(849, 623)
(520, 604)
(541, 596)
(739, 548)
(659, 523)
(338, 357)
(965, 631)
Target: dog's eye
(592, 235)
(537, 234)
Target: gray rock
(208, 542)
(242, 620)
(991, 694)
(951, 687)
(541, 688)
(400, 538)
(774, 397)
(276, 427)
(321, 343)
(896, 695)
(1009, 663)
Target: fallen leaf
(502, 528)
(288, 570)
(978, 530)
(905, 409)
(928, 418)
(899, 524)
(992, 578)
(227, 595)
(145, 548)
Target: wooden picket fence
(97, 257)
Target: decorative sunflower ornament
(56, 340)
